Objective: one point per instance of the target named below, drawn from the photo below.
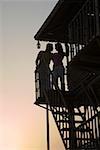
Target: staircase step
(85, 139)
(78, 121)
(76, 129)
(67, 113)
(84, 130)
(78, 114)
(64, 121)
(67, 129)
(60, 113)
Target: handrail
(56, 86)
(90, 119)
(84, 26)
(93, 130)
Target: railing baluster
(84, 26)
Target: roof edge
(51, 15)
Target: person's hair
(49, 47)
(58, 47)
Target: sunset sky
(22, 124)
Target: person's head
(49, 47)
(58, 47)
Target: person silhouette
(42, 64)
(58, 68)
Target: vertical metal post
(47, 117)
(72, 132)
(97, 18)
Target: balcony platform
(63, 99)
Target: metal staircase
(77, 119)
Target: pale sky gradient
(22, 124)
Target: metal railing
(84, 27)
(37, 84)
(88, 133)
(56, 89)
(86, 120)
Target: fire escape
(76, 111)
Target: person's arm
(38, 58)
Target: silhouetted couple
(43, 62)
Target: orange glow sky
(22, 124)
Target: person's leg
(62, 83)
(62, 78)
(47, 80)
(55, 78)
